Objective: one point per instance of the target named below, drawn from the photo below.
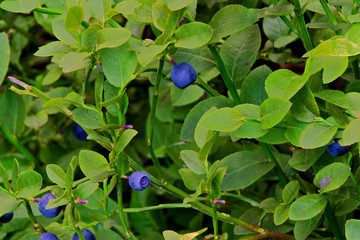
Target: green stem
(86, 80)
(106, 210)
(333, 223)
(272, 158)
(121, 211)
(13, 141)
(214, 217)
(303, 29)
(355, 8)
(209, 211)
(114, 23)
(225, 74)
(291, 26)
(114, 229)
(329, 14)
(207, 88)
(152, 120)
(56, 12)
(160, 206)
(72, 216)
(243, 198)
(30, 213)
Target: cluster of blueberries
(138, 181)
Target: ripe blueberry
(51, 212)
(79, 132)
(183, 74)
(48, 236)
(6, 217)
(336, 149)
(139, 180)
(88, 235)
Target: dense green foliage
(263, 145)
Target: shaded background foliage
(271, 146)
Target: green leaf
(74, 61)
(351, 133)
(4, 176)
(201, 134)
(92, 163)
(112, 37)
(205, 150)
(193, 35)
(36, 121)
(4, 55)
(84, 190)
(149, 54)
(190, 179)
(160, 12)
(230, 19)
(316, 135)
(290, 191)
(8, 203)
(303, 228)
(58, 26)
(354, 102)
(53, 75)
(353, 33)
(332, 176)
(51, 49)
(192, 161)
(281, 214)
(272, 111)
(243, 169)
(284, 83)
(23, 6)
(335, 47)
(172, 21)
(15, 173)
(87, 118)
(125, 139)
(294, 130)
(174, 5)
(74, 17)
(304, 107)
(171, 235)
(303, 159)
(240, 50)
(250, 128)
(12, 108)
(253, 87)
(274, 136)
(352, 229)
(282, 8)
(182, 97)
(269, 204)
(223, 119)
(307, 207)
(56, 174)
(127, 7)
(28, 183)
(335, 97)
(192, 119)
(118, 65)
(334, 66)
(98, 8)
(275, 28)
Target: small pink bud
(127, 177)
(219, 201)
(127, 127)
(81, 201)
(35, 200)
(172, 61)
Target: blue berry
(79, 132)
(6, 217)
(139, 180)
(88, 235)
(49, 213)
(336, 149)
(183, 74)
(48, 236)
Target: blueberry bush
(179, 119)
